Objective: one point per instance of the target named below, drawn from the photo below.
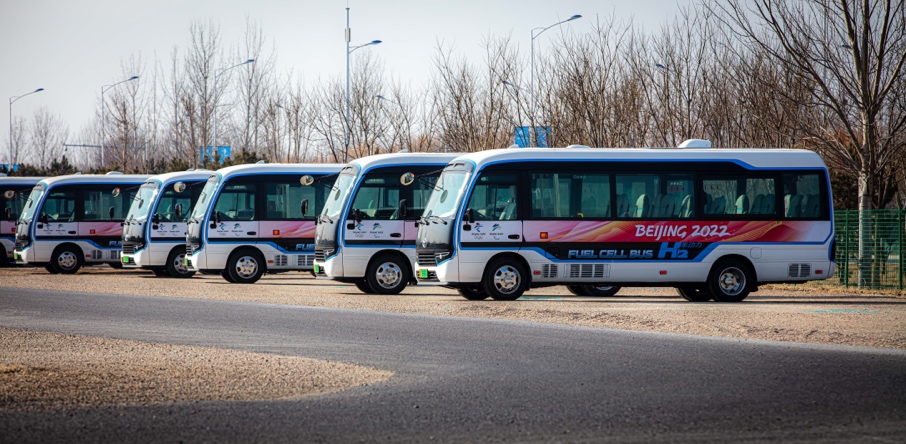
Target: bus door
(57, 219)
(492, 217)
(374, 218)
(234, 218)
(283, 223)
(102, 213)
(421, 190)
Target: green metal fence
(882, 259)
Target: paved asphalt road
(467, 380)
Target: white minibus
(13, 195)
(253, 219)
(154, 233)
(714, 223)
(75, 220)
(366, 231)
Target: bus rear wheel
(473, 292)
(176, 264)
(694, 294)
(66, 260)
(159, 271)
(505, 279)
(578, 290)
(731, 280)
(601, 291)
(245, 267)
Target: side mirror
(155, 219)
(9, 194)
(407, 178)
(112, 210)
(306, 180)
(304, 207)
(215, 219)
(43, 219)
(115, 192)
(470, 216)
(179, 187)
(9, 213)
(357, 215)
(403, 211)
(178, 209)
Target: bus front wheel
(473, 292)
(363, 286)
(66, 260)
(505, 279)
(387, 274)
(176, 264)
(245, 267)
(730, 280)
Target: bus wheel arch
(67, 258)
(388, 272)
(731, 279)
(506, 277)
(246, 265)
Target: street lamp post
(103, 119)
(214, 132)
(349, 50)
(535, 35)
(11, 101)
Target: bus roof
(175, 176)
(19, 180)
(95, 179)
(399, 159)
(278, 168)
(747, 157)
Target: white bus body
(366, 231)
(714, 223)
(13, 195)
(249, 220)
(75, 220)
(166, 202)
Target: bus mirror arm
(402, 210)
(470, 216)
(111, 211)
(215, 219)
(304, 207)
(357, 215)
(178, 209)
(155, 220)
(8, 213)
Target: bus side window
(802, 196)
(494, 197)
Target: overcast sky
(71, 48)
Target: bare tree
(198, 99)
(48, 133)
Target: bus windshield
(141, 204)
(338, 193)
(201, 206)
(447, 193)
(31, 205)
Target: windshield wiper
(321, 218)
(431, 217)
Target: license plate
(423, 273)
(317, 269)
(125, 260)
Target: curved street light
(535, 35)
(12, 100)
(214, 131)
(349, 50)
(103, 119)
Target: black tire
(5, 261)
(115, 265)
(245, 266)
(473, 292)
(731, 280)
(66, 260)
(48, 268)
(601, 291)
(225, 275)
(387, 274)
(159, 271)
(505, 279)
(578, 290)
(176, 264)
(694, 294)
(363, 286)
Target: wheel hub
(67, 260)
(732, 281)
(246, 266)
(506, 279)
(388, 275)
(179, 264)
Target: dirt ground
(29, 361)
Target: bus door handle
(72, 232)
(396, 235)
(514, 236)
(252, 233)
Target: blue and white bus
(154, 233)
(253, 219)
(75, 220)
(714, 223)
(13, 195)
(366, 231)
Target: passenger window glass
(97, 204)
(494, 197)
(733, 197)
(570, 195)
(59, 206)
(166, 207)
(655, 196)
(284, 199)
(802, 196)
(236, 201)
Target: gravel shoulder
(41, 371)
